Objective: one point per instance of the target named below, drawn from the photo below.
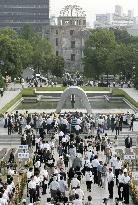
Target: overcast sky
(94, 6)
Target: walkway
(10, 94)
(132, 92)
(7, 97)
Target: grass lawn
(120, 93)
(28, 92)
(11, 103)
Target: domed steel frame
(72, 11)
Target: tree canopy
(15, 53)
(97, 49)
(27, 48)
(43, 58)
(110, 52)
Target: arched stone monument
(77, 91)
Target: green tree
(97, 49)
(123, 59)
(10, 32)
(15, 53)
(42, 52)
(43, 57)
(122, 36)
(58, 66)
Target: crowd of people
(7, 188)
(15, 122)
(67, 151)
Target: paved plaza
(97, 193)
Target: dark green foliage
(111, 51)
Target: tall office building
(16, 13)
(118, 10)
(115, 20)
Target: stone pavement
(132, 92)
(97, 193)
(8, 95)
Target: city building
(115, 20)
(16, 13)
(69, 35)
(133, 30)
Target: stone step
(6, 144)
(9, 140)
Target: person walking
(110, 180)
(32, 190)
(118, 165)
(126, 182)
(95, 164)
(104, 175)
(120, 184)
(128, 142)
(54, 187)
(77, 162)
(89, 202)
(62, 185)
(75, 182)
(88, 177)
(117, 127)
(99, 173)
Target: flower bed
(21, 182)
(134, 192)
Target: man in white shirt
(61, 134)
(45, 179)
(62, 185)
(11, 172)
(118, 166)
(120, 184)
(32, 190)
(77, 129)
(90, 154)
(80, 193)
(110, 179)
(3, 201)
(54, 187)
(126, 181)
(37, 179)
(49, 122)
(47, 146)
(75, 182)
(77, 201)
(113, 161)
(95, 164)
(79, 121)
